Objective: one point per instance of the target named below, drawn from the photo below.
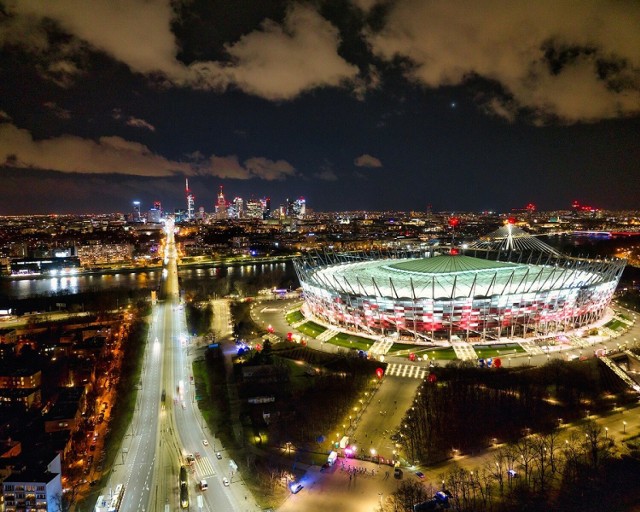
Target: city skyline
(353, 105)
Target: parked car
(205, 442)
(397, 473)
(225, 481)
(218, 455)
(296, 487)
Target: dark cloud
(548, 56)
(113, 154)
(367, 161)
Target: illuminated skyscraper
(190, 201)
(238, 205)
(266, 208)
(136, 212)
(221, 205)
(299, 208)
(254, 209)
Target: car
(93, 483)
(397, 473)
(225, 481)
(324, 466)
(395, 437)
(92, 448)
(218, 455)
(420, 474)
(296, 487)
(205, 442)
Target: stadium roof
(454, 276)
(448, 264)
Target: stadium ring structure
(508, 284)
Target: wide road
(163, 433)
(134, 466)
(181, 426)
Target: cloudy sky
(361, 104)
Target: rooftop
(449, 264)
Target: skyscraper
(238, 205)
(136, 212)
(190, 201)
(221, 205)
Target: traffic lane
(191, 435)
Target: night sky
(362, 104)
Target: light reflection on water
(260, 275)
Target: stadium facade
(507, 285)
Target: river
(242, 280)
(203, 282)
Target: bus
(184, 488)
(112, 502)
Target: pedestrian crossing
(327, 335)
(464, 351)
(530, 347)
(273, 338)
(410, 371)
(381, 346)
(204, 467)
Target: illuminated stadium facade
(507, 285)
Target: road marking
(410, 371)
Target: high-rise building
(190, 201)
(136, 212)
(238, 205)
(266, 208)
(299, 208)
(221, 205)
(154, 216)
(254, 209)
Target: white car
(225, 481)
(205, 442)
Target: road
(162, 434)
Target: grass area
(485, 351)
(351, 341)
(311, 329)
(407, 348)
(300, 380)
(294, 317)
(441, 353)
(211, 395)
(624, 317)
(615, 325)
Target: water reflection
(246, 280)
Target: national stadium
(506, 285)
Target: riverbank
(193, 263)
